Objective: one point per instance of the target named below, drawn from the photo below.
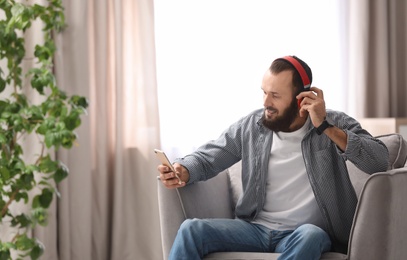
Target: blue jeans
(199, 237)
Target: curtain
(108, 206)
(377, 57)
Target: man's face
(280, 105)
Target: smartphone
(164, 160)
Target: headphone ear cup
(299, 103)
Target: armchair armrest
(380, 224)
(209, 199)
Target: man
(297, 196)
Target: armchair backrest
(380, 224)
(209, 199)
(397, 147)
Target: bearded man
(297, 197)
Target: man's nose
(267, 102)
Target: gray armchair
(379, 229)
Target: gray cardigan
(248, 140)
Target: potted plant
(53, 121)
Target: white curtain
(108, 205)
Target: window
(212, 54)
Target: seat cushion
(263, 256)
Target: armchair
(379, 227)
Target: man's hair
(280, 65)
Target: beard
(281, 122)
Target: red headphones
(304, 77)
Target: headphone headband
(304, 77)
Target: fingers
(171, 181)
(318, 92)
(313, 103)
(169, 178)
(314, 94)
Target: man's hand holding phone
(171, 175)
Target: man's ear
(300, 99)
(299, 103)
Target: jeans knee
(191, 226)
(186, 225)
(187, 244)
(310, 232)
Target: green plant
(53, 122)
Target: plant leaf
(39, 215)
(45, 198)
(21, 220)
(61, 174)
(4, 173)
(37, 251)
(5, 254)
(2, 84)
(47, 165)
(24, 243)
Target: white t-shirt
(290, 201)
